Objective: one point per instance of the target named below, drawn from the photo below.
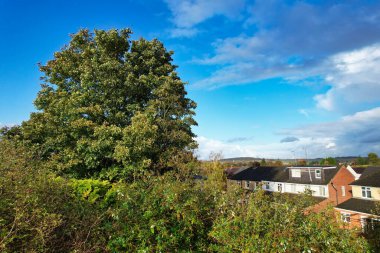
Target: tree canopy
(111, 107)
(373, 159)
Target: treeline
(106, 165)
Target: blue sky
(271, 78)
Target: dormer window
(317, 173)
(296, 173)
(366, 192)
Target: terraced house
(330, 183)
(363, 209)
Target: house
(328, 182)
(362, 210)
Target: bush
(40, 212)
(162, 215)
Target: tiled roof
(370, 177)
(358, 170)
(281, 174)
(234, 170)
(359, 205)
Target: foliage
(301, 162)
(110, 107)
(266, 223)
(113, 109)
(373, 159)
(361, 161)
(329, 161)
(39, 212)
(162, 215)
(372, 231)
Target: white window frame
(247, 183)
(345, 217)
(279, 187)
(319, 174)
(296, 173)
(267, 186)
(322, 191)
(366, 192)
(343, 188)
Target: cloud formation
(239, 139)
(350, 134)
(315, 148)
(355, 134)
(354, 77)
(334, 43)
(189, 13)
(289, 139)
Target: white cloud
(354, 77)
(183, 32)
(351, 135)
(304, 112)
(314, 147)
(332, 43)
(355, 134)
(189, 13)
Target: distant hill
(240, 159)
(252, 159)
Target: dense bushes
(162, 215)
(40, 212)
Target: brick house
(362, 209)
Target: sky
(273, 79)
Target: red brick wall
(354, 219)
(342, 178)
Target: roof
(358, 170)
(370, 177)
(327, 175)
(370, 170)
(313, 167)
(277, 174)
(234, 170)
(359, 205)
(281, 174)
(245, 174)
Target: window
(317, 173)
(293, 187)
(247, 184)
(267, 186)
(369, 224)
(296, 173)
(366, 192)
(343, 191)
(322, 191)
(346, 217)
(279, 187)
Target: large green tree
(111, 107)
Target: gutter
(336, 192)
